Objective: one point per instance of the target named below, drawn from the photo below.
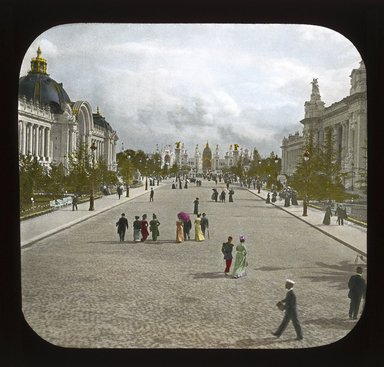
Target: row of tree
(320, 176)
(54, 180)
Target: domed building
(51, 126)
(207, 158)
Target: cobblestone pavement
(82, 288)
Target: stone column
(37, 140)
(30, 139)
(48, 143)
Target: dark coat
(290, 303)
(204, 223)
(196, 207)
(226, 249)
(357, 287)
(122, 225)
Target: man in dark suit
(289, 305)
(357, 287)
(122, 225)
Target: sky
(225, 84)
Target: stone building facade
(347, 120)
(51, 126)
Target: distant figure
(173, 185)
(222, 196)
(151, 194)
(186, 184)
(241, 263)
(196, 206)
(75, 200)
(119, 191)
(144, 228)
(268, 200)
(198, 232)
(227, 249)
(289, 305)
(204, 223)
(294, 198)
(327, 215)
(341, 214)
(122, 225)
(287, 198)
(357, 288)
(215, 195)
(179, 231)
(136, 229)
(274, 195)
(230, 195)
(154, 227)
(258, 185)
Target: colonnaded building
(204, 161)
(51, 126)
(348, 121)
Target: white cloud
(193, 82)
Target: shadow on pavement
(212, 275)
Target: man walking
(204, 223)
(122, 225)
(226, 249)
(75, 200)
(152, 193)
(289, 305)
(357, 288)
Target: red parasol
(183, 216)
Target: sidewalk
(34, 229)
(350, 234)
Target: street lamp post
(276, 168)
(91, 198)
(128, 175)
(305, 203)
(146, 174)
(353, 173)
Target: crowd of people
(140, 228)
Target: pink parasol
(183, 216)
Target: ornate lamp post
(276, 168)
(146, 174)
(305, 204)
(128, 175)
(93, 147)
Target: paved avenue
(82, 288)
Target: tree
(320, 178)
(329, 171)
(80, 169)
(31, 177)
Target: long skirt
(136, 235)
(239, 268)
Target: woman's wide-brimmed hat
(242, 238)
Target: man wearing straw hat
(288, 304)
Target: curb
(314, 226)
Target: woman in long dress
(198, 232)
(136, 229)
(241, 263)
(154, 227)
(327, 215)
(179, 231)
(144, 228)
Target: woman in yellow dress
(179, 231)
(198, 232)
